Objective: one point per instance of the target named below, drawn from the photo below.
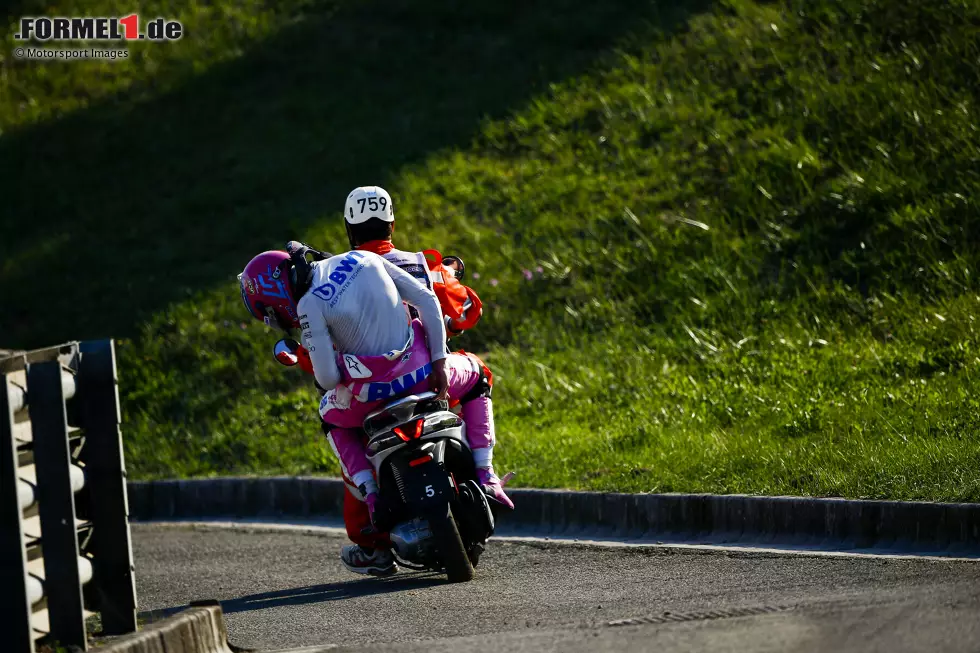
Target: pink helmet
(267, 289)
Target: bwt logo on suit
(126, 28)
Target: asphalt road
(282, 589)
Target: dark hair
(373, 229)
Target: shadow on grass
(114, 212)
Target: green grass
(756, 226)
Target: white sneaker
(360, 560)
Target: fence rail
(64, 542)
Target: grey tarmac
(282, 589)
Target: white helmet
(368, 202)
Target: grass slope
(726, 247)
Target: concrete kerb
(199, 629)
(839, 524)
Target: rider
(353, 303)
(371, 230)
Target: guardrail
(65, 543)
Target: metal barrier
(64, 527)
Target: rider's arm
(316, 338)
(425, 302)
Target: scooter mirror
(456, 264)
(285, 352)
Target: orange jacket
(461, 306)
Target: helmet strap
(350, 235)
(272, 319)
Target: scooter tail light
(419, 424)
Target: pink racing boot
(493, 487)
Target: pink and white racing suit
(372, 381)
(365, 352)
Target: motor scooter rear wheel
(450, 546)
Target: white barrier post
(65, 544)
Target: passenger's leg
(470, 382)
(371, 551)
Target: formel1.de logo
(126, 28)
